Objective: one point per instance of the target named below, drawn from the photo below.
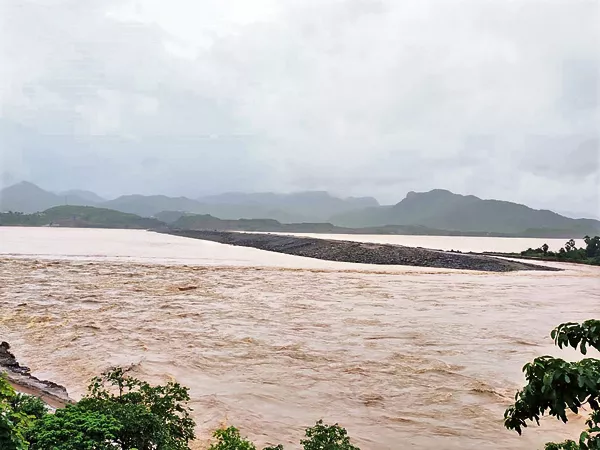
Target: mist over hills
(311, 206)
(437, 210)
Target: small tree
(17, 414)
(230, 439)
(327, 437)
(545, 249)
(120, 412)
(555, 386)
(319, 437)
(570, 245)
(75, 428)
(592, 246)
(11, 433)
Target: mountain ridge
(84, 195)
(438, 209)
(27, 197)
(442, 209)
(307, 206)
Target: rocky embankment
(358, 252)
(20, 376)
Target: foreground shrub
(119, 412)
(124, 413)
(327, 437)
(75, 428)
(319, 437)
(555, 386)
(230, 439)
(18, 413)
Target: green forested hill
(79, 216)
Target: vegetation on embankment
(569, 253)
(117, 413)
(79, 217)
(359, 252)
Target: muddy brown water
(402, 357)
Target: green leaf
(555, 386)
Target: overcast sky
(495, 98)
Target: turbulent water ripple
(403, 358)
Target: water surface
(402, 357)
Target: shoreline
(359, 252)
(537, 258)
(20, 378)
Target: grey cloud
(361, 97)
(580, 88)
(573, 157)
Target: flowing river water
(402, 357)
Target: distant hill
(208, 222)
(169, 217)
(28, 198)
(150, 205)
(233, 211)
(580, 215)
(437, 211)
(80, 217)
(87, 196)
(296, 207)
(153, 205)
(92, 217)
(287, 208)
(441, 209)
(293, 207)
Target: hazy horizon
(353, 97)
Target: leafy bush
(11, 437)
(592, 246)
(29, 405)
(75, 428)
(319, 437)
(555, 386)
(124, 413)
(230, 439)
(119, 412)
(588, 255)
(327, 437)
(17, 415)
(26, 410)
